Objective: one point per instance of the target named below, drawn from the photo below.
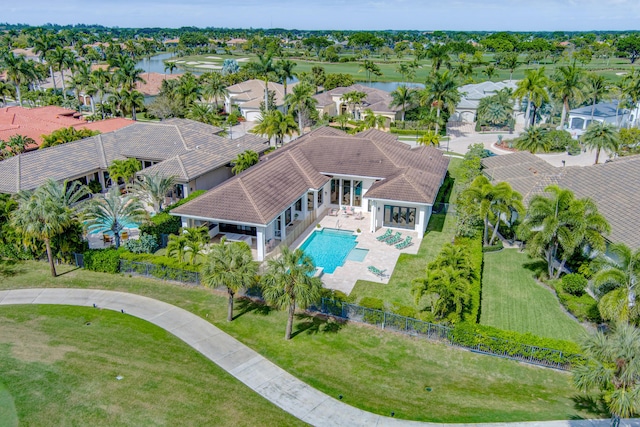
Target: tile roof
(602, 109)
(613, 186)
(261, 193)
(377, 99)
(150, 141)
(153, 82)
(250, 93)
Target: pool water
(328, 248)
(357, 254)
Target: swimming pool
(328, 248)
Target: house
(332, 103)
(248, 96)
(613, 186)
(467, 109)
(325, 169)
(607, 112)
(190, 151)
(35, 122)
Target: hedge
(583, 307)
(475, 248)
(162, 261)
(102, 260)
(164, 223)
(494, 248)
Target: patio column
(305, 205)
(340, 195)
(260, 243)
(283, 227)
(315, 200)
(101, 179)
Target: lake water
(157, 63)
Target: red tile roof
(153, 82)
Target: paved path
(265, 378)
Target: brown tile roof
(614, 186)
(251, 92)
(378, 100)
(261, 193)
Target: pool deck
(381, 255)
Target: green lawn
(513, 300)
(60, 370)
(8, 414)
(373, 370)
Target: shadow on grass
(436, 223)
(591, 404)
(246, 305)
(538, 267)
(316, 324)
(68, 271)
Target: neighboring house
(612, 185)
(35, 122)
(331, 103)
(193, 152)
(295, 185)
(248, 96)
(467, 109)
(608, 112)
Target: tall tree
(244, 161)
(42, 45)
(601, 136)
(276, 125)
(302, 101)
(403, 97)
(214, 88)
(264, 68)
(596, 89)
(370, 68)
(532, 87)
(63, 59)
(568, 86)
(232, 266)
(440, 92)
(480, 193)
(19, 71)
(288, 283)
(284, 71)
(439, 56)
(125, 169)
(153, 189)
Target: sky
(463, 15)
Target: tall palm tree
(353, 99)
(188, 91)
(601, 136)
(631, 84)
(288, 283)
(18, 144)
(81, 82)
(532, 87)
(439, 56)
(613, 368)
(42, 45)
(568, 86)
(63, 59)
(230, 265)
(177, 246)
(534, 140)
(302, 101)
(19, 71)
(429, 137)
(153, 189)
(264, 68)
(125, 169)
(6, 89)
(506, 202)
(126, 74)
(370, 68)
(214, 88)
(112, 213)
(130, 100)
(596, 88)
(441, 91)
(342, 120)
(403, 97)
(616, 282)
(46, 212)
(276, 125)
(406, 71)
(284, 71)
(480, 193)
(100, 80)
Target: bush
(94, 186)
(164, 223)
(370, 302)
(574, 284)
(403, 310)
(146, 244)
(584, 307)
(494, 248)
(560, 140)
(573, 149)
(475, 248)
(162, 261)
(102, 260)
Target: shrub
(94, 186)
(162, 261)
(584, 307)
(102, 260)
(560, 140)
(573, 149)
(370, 302)
(475, 248)
(403, 310)
(146, 244)
(574, 284)
(164, 223)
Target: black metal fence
(474, 342)
(159, 272)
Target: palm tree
(601, 136)
(125, 169)
(47, 212)
(595, 88)
(342, 120)
(81, 82)
(99, 82)
(428, 138)
(276, 124)
(62, 58)
(352, 99)
(19, 71)
(480, 193)
(567, 86)
(177, 246)
(196, 238)
(302, 101)
(288, 283)
(230, 265)
(112, 213)
(188, 90)
(153, 189)
(505, 203)
(284, 71)
(370, 67)
(403, 97)
(440, 92)
(42, 45)
(614, 369)
(244, 161)
(214, 88)
(130, 100)
(534, 140)
(6, 89)
(439, 56)
(170, 66)
(616, 283)
(532, 87)
(407, 71)
(126, 74)
(631, 83)
(263, 68)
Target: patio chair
(349, 210)
(124, 235)
(377, 271)
(395, 239)
(106, 238)
(358, 215)
(333, 212)
(405, 243)
(384, 236)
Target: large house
(323, 170)
(332, 103)
(613, 186)
(248, 96)
(471, 94)
(607, 112)
(190, 151)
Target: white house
(248, 96)
(471, 94)
(607, 112)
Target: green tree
(480, 193)
(630, 45)
(124, 169)
(533, 87)
(568, 86)
(214, 88)
(288, 283)
(276, 125)
(284, 71)
(6, 89)
(506, 203)
(302, 101)
(352, 99)
(370, 68)
(403, 97)
(601, 136)
(63, 59)
(244, 161)
(64, 135)
(440, 92)
(19, 71)
(153, 189)
(613, 368)
(438, 54)
(430, 137)
(342, 120)
(177, 246)
(46, 212)
(264, 68)
(112, 212)
(230, 265)
(406, 70)
(16, 144)
(534, 140)
(508, 61)
(596, 89)
(131, 100)
(196, 239)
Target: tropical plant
(403, 97)
(64, 135)
(214, 88)
(505, 205)
(276, 125)
(616, 283)
(289, 283)
(284, 71)
(177, 246)
(534, 140)
(480, 194)
(6, 90)
(601, 136)
(124, 169)
(568, 86)
(196, 239)
(244, 161)
(153, 189)
(16, 144)
(264, 68)
(371, 121)
(353, 99)
(63, 59)
(532, 87)
(302, 101)
(430, 137)
(112, 212)
(232, 266)
(46, 212)
(596, 89)
(342, 120)
(439, 56)
(440, 92)
(613, 368)
(370, 68)
(19, 71)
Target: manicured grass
(60, 370)
(8, 414)
(513, 300)
(373, 370)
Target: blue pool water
(328, 248)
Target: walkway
(265, 378)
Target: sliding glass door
(399, 216)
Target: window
(298, 206)
(320, 197)
(335, 188)
(399, 216)
(346, 192)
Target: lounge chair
(384, 236)
(404, 244)
(333, 212)
(349, 211)
(395, 239)
(106, 239)
(377, 271)
(358, 215)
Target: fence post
(384, 319)
(406, 324)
